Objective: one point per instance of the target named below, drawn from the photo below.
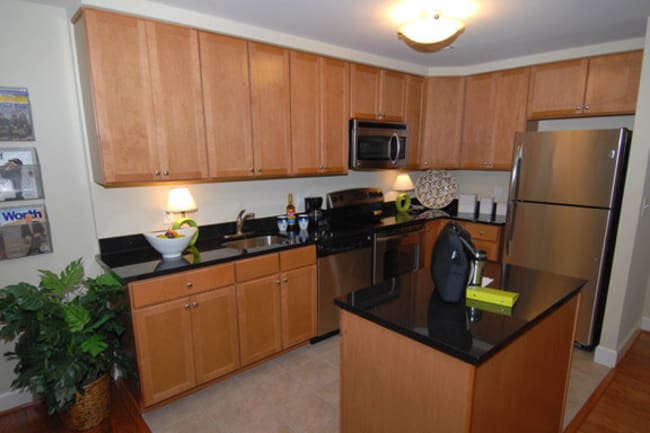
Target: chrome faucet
(242, 216)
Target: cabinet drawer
(485, 232)
(160, 289)
(297, 258)
(249, 269)
(491, 249)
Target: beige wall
(36, 51)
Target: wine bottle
(291, 214)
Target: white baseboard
(645, 323)
(605, 356)
(14, 398)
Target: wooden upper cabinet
(335, 115)
(557, 89)
(224, 69)
(149, 127)
(442, 122)
(392, 95)
(414, 103)
(271, 113)
(377, 93)
(494, 110)
(178, 100)
(319, 114)
(117, 96)
(364, 91)
(599, 85)
(305, 113)
(613, 83)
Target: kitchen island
(413, 363)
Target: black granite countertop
(471, 335)
(131, 258)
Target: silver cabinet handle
(189, 284)
(251, 170)
(578, 108)
(587, 107)
(156, 172)
(286, 280)
(186, 306)
(165, 173)
(259, 170)
(195, 304)
(277, 282)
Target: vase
(90, 408)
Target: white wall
(629, 280)
(35, 53)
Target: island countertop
(472, 335)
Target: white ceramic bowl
(170, 248)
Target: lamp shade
(403, 182)
(180, 200)
(430, 29)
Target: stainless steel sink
(257, 242)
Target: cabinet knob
(156, 173)
(186, 306)
(259, 170)
(322, 167)
(481, 232)
(578, 108)
(251, 170)
(286, 280)
(195, 304)
(277, 281)
(587, 107)
(189, 284)
(165, 173)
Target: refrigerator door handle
(514, 192)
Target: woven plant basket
(90, 408)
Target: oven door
(398, 251)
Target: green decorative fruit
(191, 223)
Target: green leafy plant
(68, 332)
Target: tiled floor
(299, 393)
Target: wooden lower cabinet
(418, 389)
(298, 305)
(258, 304)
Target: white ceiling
(499, 29)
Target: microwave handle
(399, 147)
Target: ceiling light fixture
(431, 28)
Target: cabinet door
(305, 113)
(508, 115)
(613, 83)
(214, 333)
(271, 113)
(364, 90)
(476, 148)
(557, 89)
(224, 69)
(298, 305)
(442, 122)
(163, 335)
(177, 101)
(392, 95)
(335, 115)
(126, 149)
(414, 89)
(260, 324)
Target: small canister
(303, 221)
(282, 223)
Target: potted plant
(68, 334)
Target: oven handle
(398, 235)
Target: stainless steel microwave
(377, 144)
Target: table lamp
(180, 200)
(402, 184)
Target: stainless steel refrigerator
(565, 194)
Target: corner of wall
(645, 323)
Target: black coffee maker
(313, 209)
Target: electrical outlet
(168, 217)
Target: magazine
(24, 231)
(15, 115)
(20, 175)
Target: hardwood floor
(619, 405)
(621, 402)
(33, 418)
